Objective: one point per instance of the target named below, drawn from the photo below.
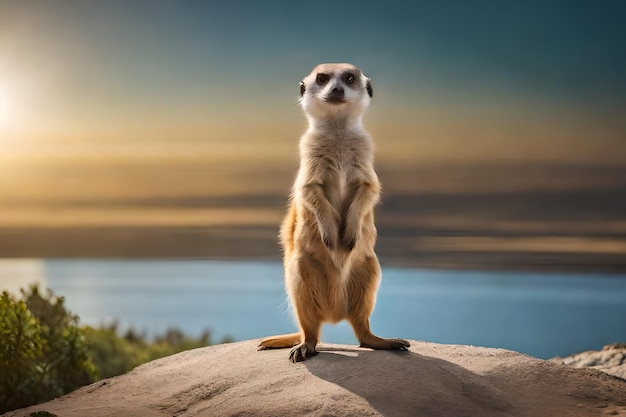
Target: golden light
(10, 109)
(5, 108)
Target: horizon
(153, 121)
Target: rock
(428, 380)
(611, 359)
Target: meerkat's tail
(282, 341)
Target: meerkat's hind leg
(303, 350)
(364, 286)
(306, 278)
(309, 338)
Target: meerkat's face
(335, 89)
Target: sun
(5, 109)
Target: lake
(541, 314)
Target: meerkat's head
(335, 91)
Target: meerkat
(328, 235)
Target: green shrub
(21, 353)
(66, 359)
(43, 353)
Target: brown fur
(328, 235)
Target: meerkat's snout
(335, 95)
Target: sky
(469, 80)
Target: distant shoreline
(260, 243)
(525, 216)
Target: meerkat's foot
(301, 352)
(386, 344)
(279, 342)
(400, 344)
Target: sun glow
(6, 109)
(9, 111)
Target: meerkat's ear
(302, 88)
(368, 87)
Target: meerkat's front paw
(329, 237)
(349, 242)
(350, 235)
(328, 241)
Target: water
(544, 315)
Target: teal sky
(197, 70)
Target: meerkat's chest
(343, 172)
(336, 164)
(342, 184)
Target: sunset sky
(494, 80)
(170, 128)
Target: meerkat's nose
(336, 94)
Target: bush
(65, 354)
(43, 353)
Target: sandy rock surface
(611, 359)
(428, 380)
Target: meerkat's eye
(321, 78)
(349, 78)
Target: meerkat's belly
(335, 298)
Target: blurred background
(169, 129)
